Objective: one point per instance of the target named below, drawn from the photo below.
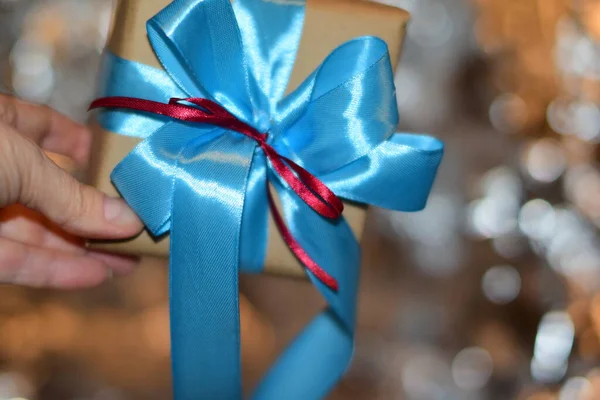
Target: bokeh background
(491, 293)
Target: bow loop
(150, 84)
(271, 32)
(145, 177)
(199, 45)
(411, 162)
(347, 104)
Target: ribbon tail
(312, 364)
(254, 235)
(208, 201)
(320, 355)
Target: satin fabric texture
(207, 186)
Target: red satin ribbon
(308, 187)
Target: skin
(45, 212)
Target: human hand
(44, 211)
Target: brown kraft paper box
(328, 24)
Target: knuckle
(76, 202)
(10, 182)
(8, 111)
(32, 171)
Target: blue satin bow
(207, 185)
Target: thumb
(29, 177)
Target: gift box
(328, 23)
(245, 135)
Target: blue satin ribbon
(208, 186)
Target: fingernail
(118, 212)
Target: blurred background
(493, 292)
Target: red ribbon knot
(307, 186)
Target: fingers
(46, 256)
(29, 177)
(21, 264)
(47, 128)
(26, 226)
